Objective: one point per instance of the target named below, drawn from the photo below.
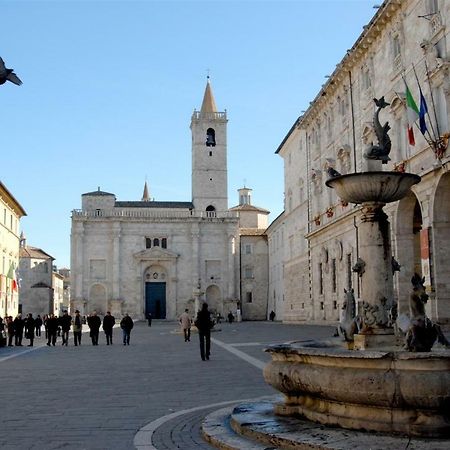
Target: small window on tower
(164, 242)
(156, 242)
(210, 137)
(148, 243)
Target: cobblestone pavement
(99, 397)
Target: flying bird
(8, 75)
(332, 173)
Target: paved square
(99, 397)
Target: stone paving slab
(99, 397)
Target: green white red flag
(412, 114)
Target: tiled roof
(248, 207)
(252, 231)
(33, 252)
(98, 193)
(165, 205)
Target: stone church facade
(162, 257)
(321, 241)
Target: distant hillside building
(10, 214)
(37, 287)
(161, 257)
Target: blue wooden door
(155, 300)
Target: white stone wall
(335, 131)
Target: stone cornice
(353, 57)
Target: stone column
(116, 229)
(376, 277)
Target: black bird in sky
(8, 75)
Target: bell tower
(209, 156)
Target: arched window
(156, 242)
(210, 137)
(210, 211)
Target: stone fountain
(373, 384)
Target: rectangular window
(320, 279)
(164, 242)
(248, 249)
(349, 271)
(333, 275)
(249, 297)
(248, 273)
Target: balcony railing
(153, 214)
(196, 115)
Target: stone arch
(97, 299)
(440, 249)
(408, 224)
(214, 299)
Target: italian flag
(413, 114)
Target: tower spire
(209, 104)
(145, 195)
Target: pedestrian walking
(52, 329)
(3, 339)
(30, 325)
(272, 315)
(185, 322)
(77, 328)
(65, 322)
(94, 324)
(149, 319)
(108, 325)
(38, 324)
(127, 325)
(10, 330)
(45, 319)
(204, 325)
(230, 317)
(19, 325)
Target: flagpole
(430, 140)
(432, 98)
(429, 118)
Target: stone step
(217, 431)
(254, 426)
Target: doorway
(155, 300)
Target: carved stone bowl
(387, 391)
(382, 187)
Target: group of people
(29, 327)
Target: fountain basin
(388, 391)
(381, 187)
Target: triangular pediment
(155, 253)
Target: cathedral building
(161, 257)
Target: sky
(109, 87)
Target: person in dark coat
(10, 330)
(77, 328)
(30, 325)
(38, 324)
(19, 325)
(149, 319)
(65, 321)
(108, 325)
(230, 317)
(127, 325)
(94, 323)
(52, 329)
(204, 324)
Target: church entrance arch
(213, 299)
(155, 292)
